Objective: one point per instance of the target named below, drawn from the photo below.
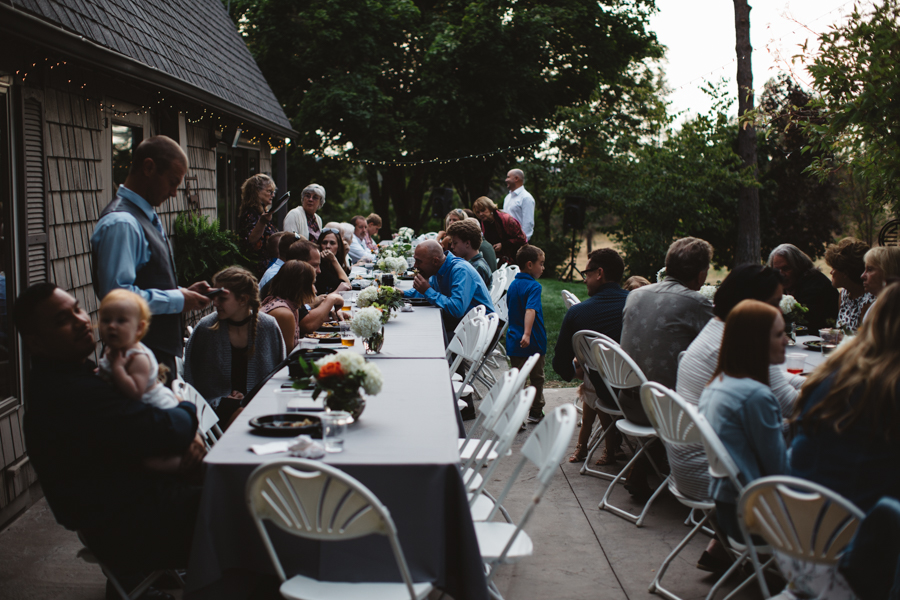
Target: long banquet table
(404, 448)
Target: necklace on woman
(237, 323)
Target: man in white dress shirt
(358, 251)
(519, 203)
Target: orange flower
(332, 369)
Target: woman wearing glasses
(303, 220)
(254, 222)
(333, 277)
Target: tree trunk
(381, 201)
(747, 249)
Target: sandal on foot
(606, 458)
(580, 454)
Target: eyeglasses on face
(584, 273)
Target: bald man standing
(519, 202)
(130, 249)
(448, 282)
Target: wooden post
(748, 247)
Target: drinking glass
(348, 338)
(795, 363)
(334, 427)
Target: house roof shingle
(193, 41)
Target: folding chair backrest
(799, 518)
(501, 433)
(618, 369)
(468, 341)
(525, 371)
(310, 499)
(502, 308)
(581, 344)
(666, 412)
(476, 311)
(207, 419)
(569, 298)
(498, 285)
(545, 448)
(490, 407)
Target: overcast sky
(699, 35)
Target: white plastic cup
(794, 363)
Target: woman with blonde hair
(882, 263)
(740, 405)
(254, 221)
(234, 348)
(500, 229)
(292, 301)
(847, 417)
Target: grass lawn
(554, 311)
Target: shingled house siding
(203, 164)
(74, 183)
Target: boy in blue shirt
(526, 334)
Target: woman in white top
(696, 368)
(303, 220)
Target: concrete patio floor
(579, 551)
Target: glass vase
(373, 344)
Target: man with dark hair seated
(88, 441)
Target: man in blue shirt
(130, 249)
(448, 282)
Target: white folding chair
(581, 345)
(721, 465)
(498, 285)
(488, 409)
(499, 436)
(797, 518)
(208, 420)
(469, 344)
(310, 499)
(675, 427)
(619, 372)
(569, 298)
(504, 543)
(88, 556)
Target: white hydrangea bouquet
(394, 264)
(709, 292)
(367, 297)
(367, 324)
(341, 376)
(405, 235)
(660, 275)
(793, 311)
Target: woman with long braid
(234, 348)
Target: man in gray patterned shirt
(658, 323)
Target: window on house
(125, 139)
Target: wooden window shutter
(36, 247)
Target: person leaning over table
(486, 249)
(847, 262)
(254, 221)
(293, 302)
(304, 220)
(500, 229)
(809, 286)
(465, 239)
(88, 446)
(130, 249)
(448, 282)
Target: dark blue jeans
(871, 564)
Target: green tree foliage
(392, 80)
(857, 76)
(796, 207)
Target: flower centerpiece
(368, 325)
(394, 264)
(661, 275)
(405, 235)
(387, 298)
(709, 292)
(794, 315)
(341, 376)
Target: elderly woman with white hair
(303, 220)
(809, 286)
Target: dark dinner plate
(814, 345)
(283, 425)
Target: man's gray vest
(166, 331)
